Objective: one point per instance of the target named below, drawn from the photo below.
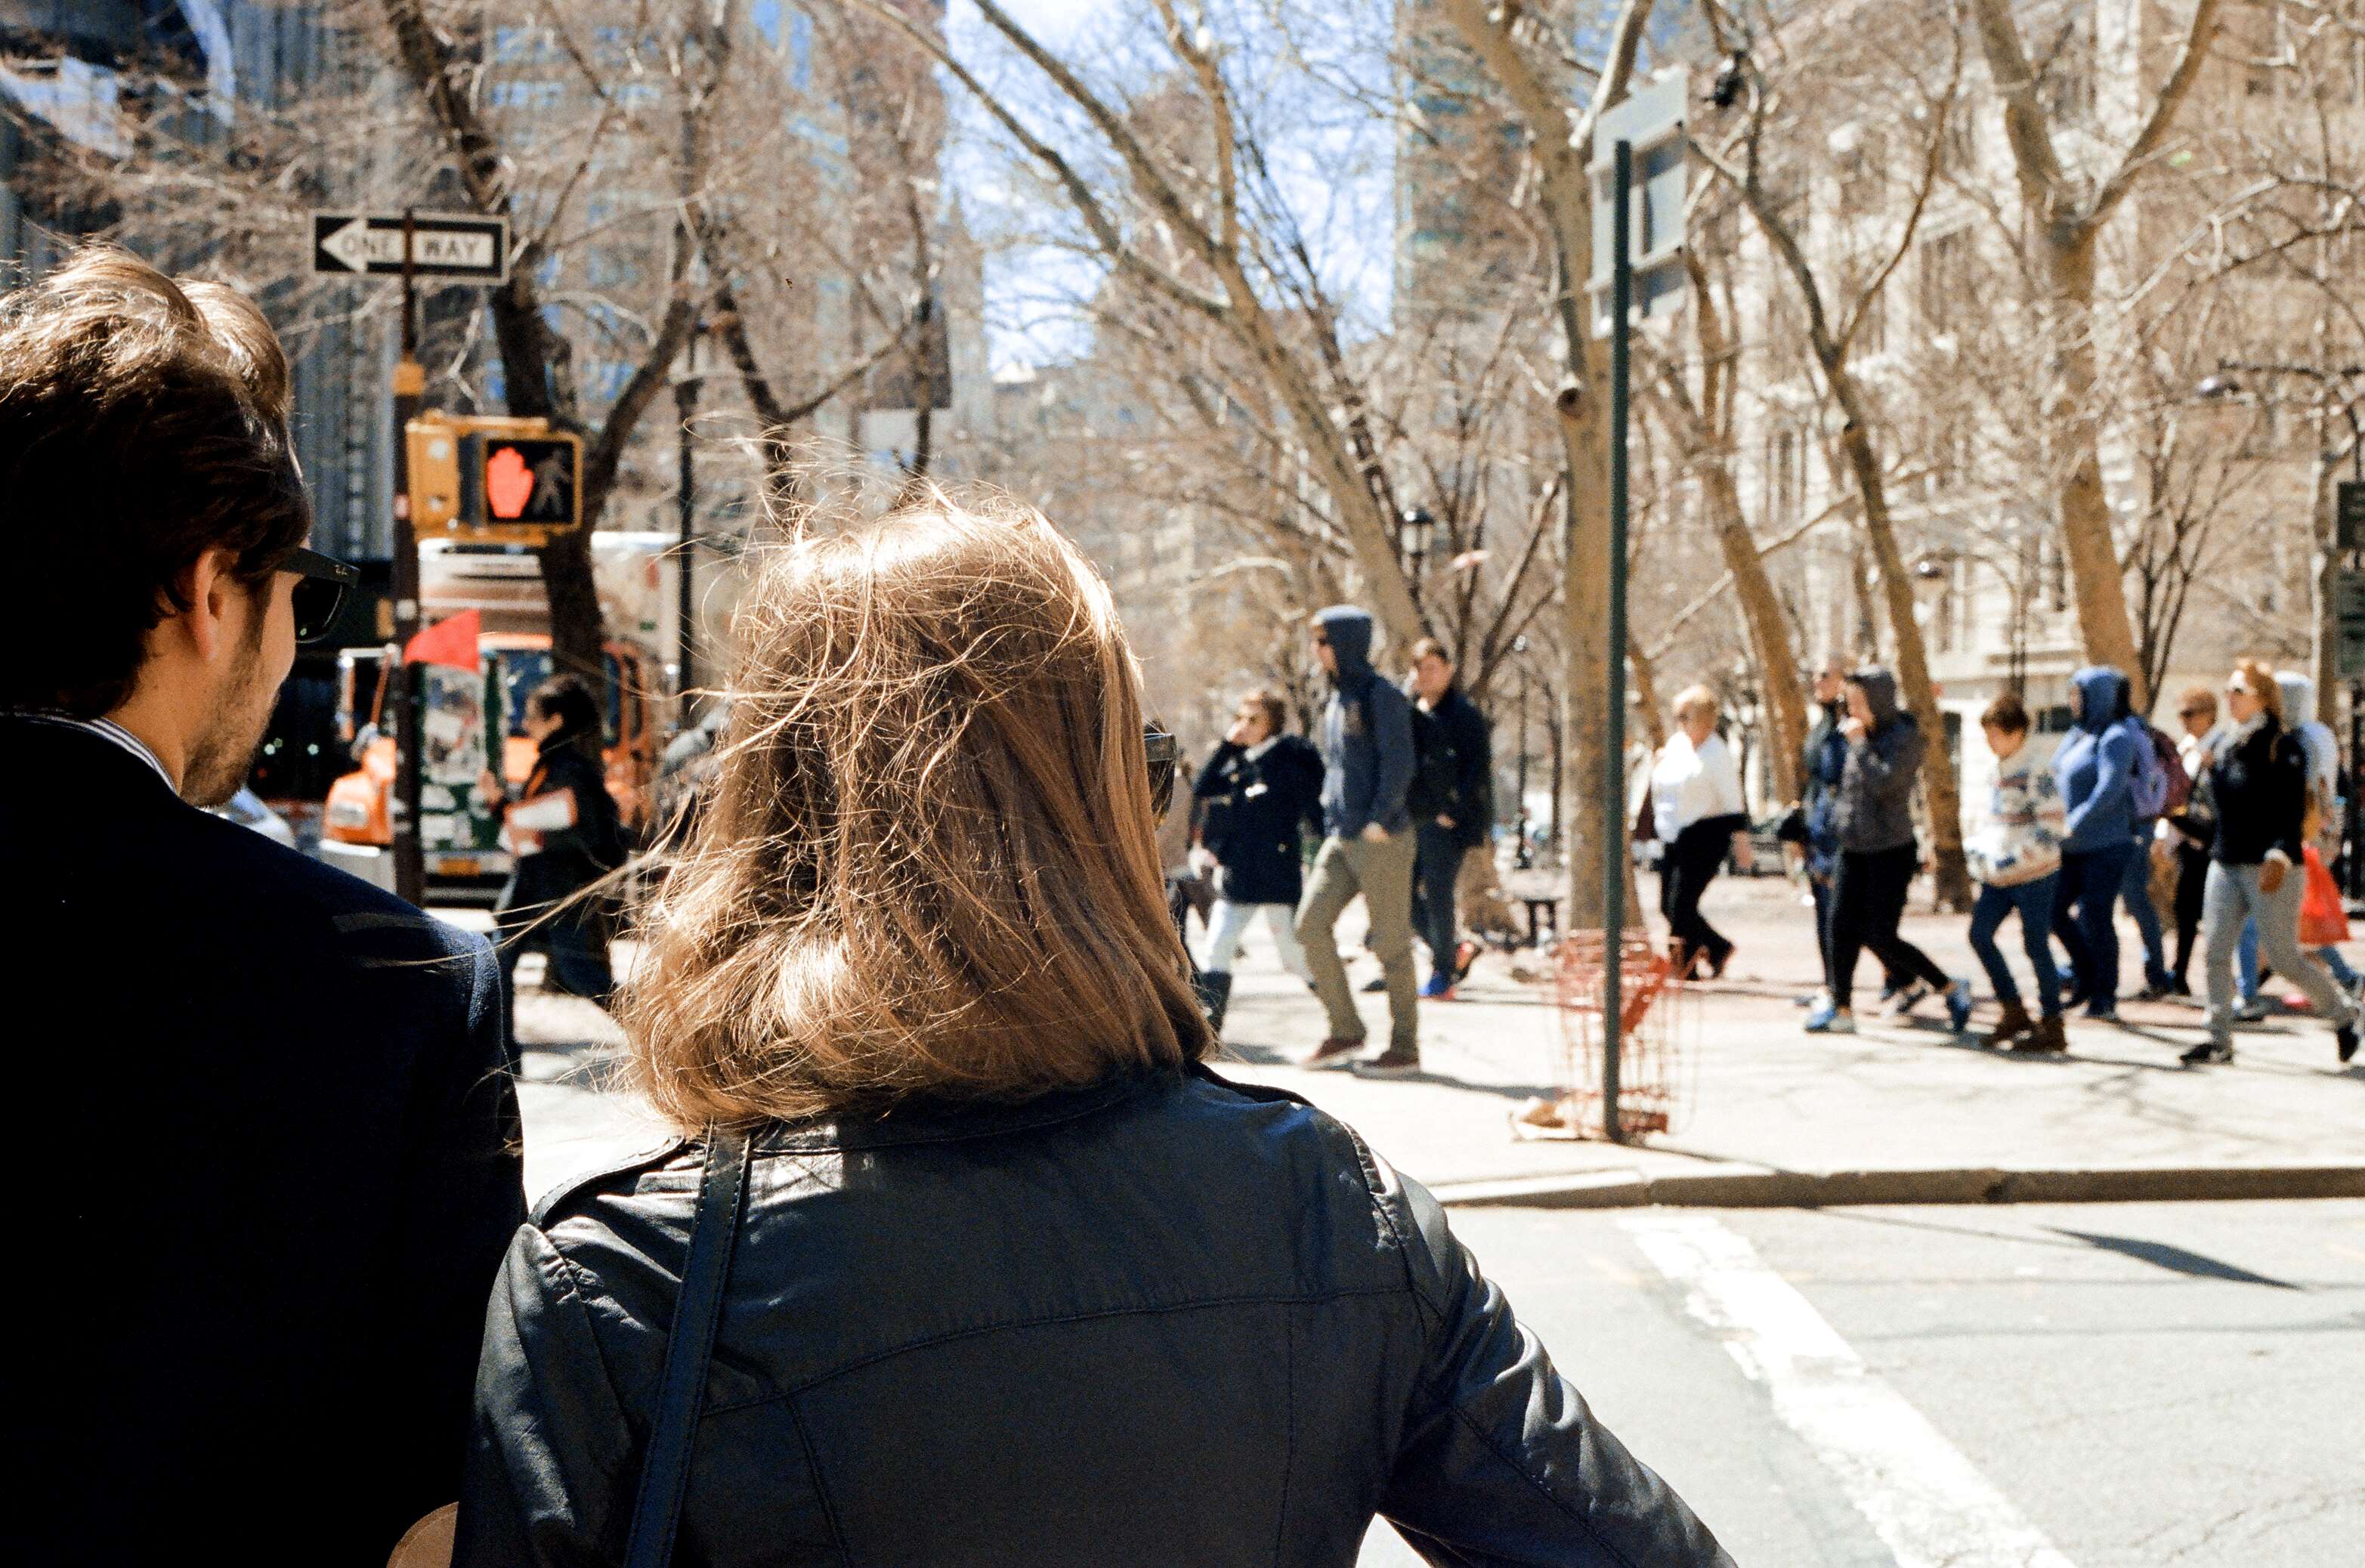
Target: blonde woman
(1697, 807)
(1012, 1277)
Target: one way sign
(443, 245)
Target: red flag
(452, 642)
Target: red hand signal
(509, 484)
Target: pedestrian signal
(533, 480)
(493, 479)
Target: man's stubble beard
(223, 753)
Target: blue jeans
(1436, 864)
(2034, 900)
(2135, 892)
(2082, 909)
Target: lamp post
(685, 402)
(1415, 531)
(1519, 652)
(1933, 564)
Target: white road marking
(1926, 1502)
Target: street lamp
(1934, 564)
(685, 401)
(1415, 531)
(1519, 856)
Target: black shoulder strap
(665, 1472)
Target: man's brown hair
(2197, 699)
(1275, 712)
(1428, 645)
(928, 865)
(2006, 713)
(143, 421)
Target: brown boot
(2048, 1035)
(2012, 1022)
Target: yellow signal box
(493, 479)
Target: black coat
(1253, 809)
(1164, 1321)
(570, 859)
(2253, 795)
(276, 1135)
(1454, 773)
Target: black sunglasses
(1165, 754)
(321, 585)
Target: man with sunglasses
(272, 1120)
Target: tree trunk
(1939, 790)
(2086, 533)
(1584, 604)
(1761, 612)
(1646, 693)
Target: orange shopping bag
(2322, 920)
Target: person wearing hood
(2095, 769)
(1367, 845)
(2148, 797)
(1873, 820)
(2256, 788)
(2322, 748)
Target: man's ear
(210, 593)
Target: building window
(1946, 265)
(1786, 475)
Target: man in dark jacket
(1259, 791)
(1366, 740)
(1452, 799)
(273, 1105)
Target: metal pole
(685, 394)
(403, 690)
(1613, 759)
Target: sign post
(1652, 120)
(456, 247)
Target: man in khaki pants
(1367, 754)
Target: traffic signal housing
(493, 479)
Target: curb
(1758, 1186)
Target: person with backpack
(1452, 799)
(2159, 786)
(2095, 768)
(2016, 856)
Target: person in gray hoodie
(1367, 845)
(1873, 818)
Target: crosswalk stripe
(1930, 1507)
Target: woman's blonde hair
(928, 864)
(1694, 700)
(2260, 678)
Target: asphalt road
(2104, 1385)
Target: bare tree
(1832, 334)
(2067, 211)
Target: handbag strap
(664, 1473)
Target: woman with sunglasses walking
(967, 1256)
(2256, 785)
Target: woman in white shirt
(1696, 806)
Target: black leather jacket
(1167, 1320)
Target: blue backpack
(2150, 793)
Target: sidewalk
(1902, 1112)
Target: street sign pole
(1613, 782)
(685, 683)
(405, 689)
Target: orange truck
(473, 720)
(458, 829)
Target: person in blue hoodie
(2095, 768)
(1367, 845)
